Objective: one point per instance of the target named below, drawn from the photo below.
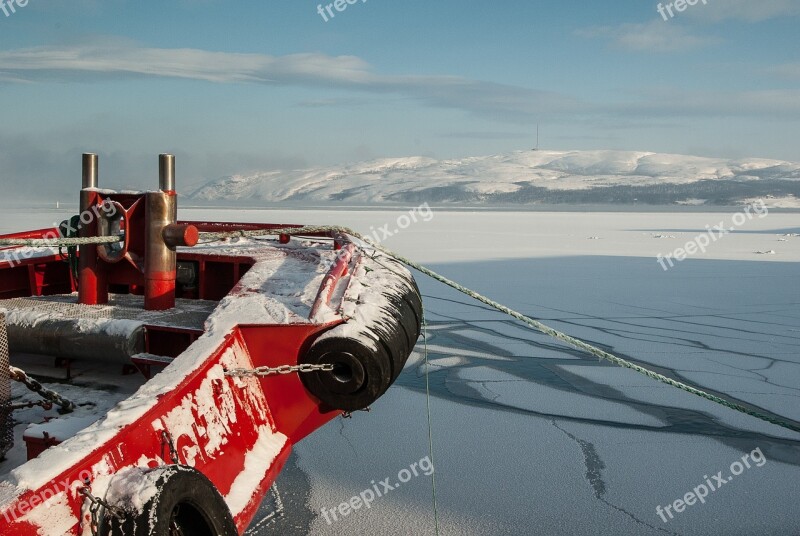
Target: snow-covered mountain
(528, 177)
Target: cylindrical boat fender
(177, 500)
(361, 374)
(399, 327)
(408, 307)
(411, 326)
(400, 270)
(393, 338)
(369, 351)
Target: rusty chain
(95, 503)
(49, 395)
(283, 369)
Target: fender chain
(283, 369)
(166, 441)
(95, 503)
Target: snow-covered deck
(281, 287)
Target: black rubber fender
(395, 342)
(409, 313)
(371, 349)
(362, 370)
(398, 331)
(400, 269)
(412, 328)
(414, 299)
(186, 499)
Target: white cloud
(655, 36)
(181, 63)
(307, 69)
(504, 102)
(672, 35)
(745, 10)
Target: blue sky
(234, 86)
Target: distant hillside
(532, 177)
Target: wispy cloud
(675, 102)
(790, 71)
(658, 36)
(745, 10)
(54, 62)
(512, 104)
(308, 69)
(336, 102)
(487, 135)
(655, 36)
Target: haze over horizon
(238, 87)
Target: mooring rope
(206, 236)
(547, 330)
(593, 350)
(58, 242)
(306, 230)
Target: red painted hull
(238, 432)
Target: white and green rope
(547, 330)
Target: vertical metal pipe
(90, 170)
(92, 279)
(166, 172)
(160, 260)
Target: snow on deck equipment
(185, 361)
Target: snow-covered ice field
(531, 437)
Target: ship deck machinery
(193, 360)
